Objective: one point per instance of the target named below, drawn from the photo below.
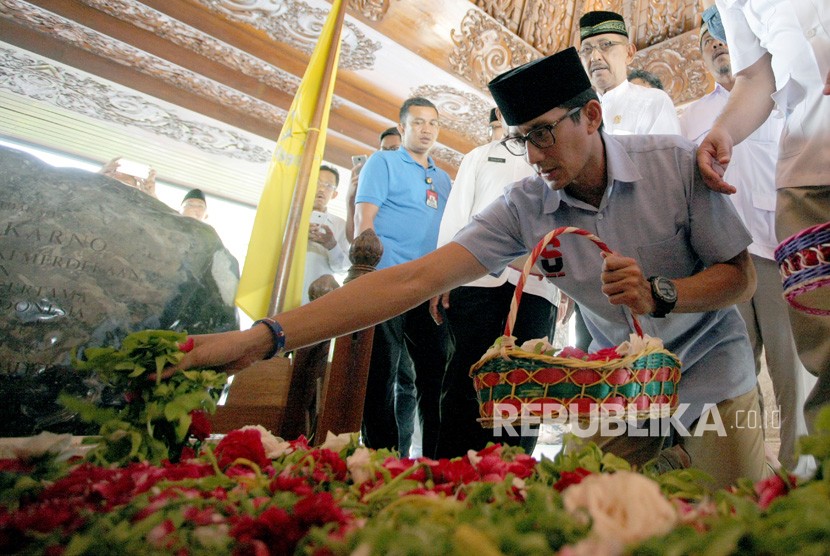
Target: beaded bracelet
(277, 334)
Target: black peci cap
(528, 91)
(599, 23)
(194, 194)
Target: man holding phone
(390, 140)
(133, 174)
(327, 245)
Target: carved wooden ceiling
(216, 77)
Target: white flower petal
(624, 506)
(275, 446)
(64, 446)
(337, 442)
(539, 345)
(360, 465)
(636, 345)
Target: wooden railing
(307, 393)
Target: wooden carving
(507, 12)
(678, 63)
(546, 25)
(660, 20)
(462, 112)
(92, 41)
(373, 10)
(448, 156)
(365, 254)
(483, 49)
(321, 286)
(298, 25)
(618, 6)
(162, 25)
(35, 78)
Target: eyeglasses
(542, 136)
(602, 46)
(322, 184)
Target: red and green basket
(541, 386)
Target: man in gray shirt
(644, 197)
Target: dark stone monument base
(84, 261)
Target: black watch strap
(664, 294)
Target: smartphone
(131, 168)
(317, 217)
(358, 159)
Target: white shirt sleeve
(460, 203)
(338, 255)
(664, 116)
(744, 46)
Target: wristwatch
(665, 295)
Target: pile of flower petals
(253, 493)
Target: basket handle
(531, 260)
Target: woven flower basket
(804, 262)
(540, 386)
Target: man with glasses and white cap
(627, 108)
(643, 196)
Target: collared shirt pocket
(670, 257)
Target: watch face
(665, 289)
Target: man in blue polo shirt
(401, 194)
(679, 262)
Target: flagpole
(278, 293)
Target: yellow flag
(257, 281)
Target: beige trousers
(799, 208)
(727, 442)
(768, 325)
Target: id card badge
(432, 199)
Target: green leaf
(154, 425)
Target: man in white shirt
(477, 311)
(327, 245)
(194, 205)
(752, 170)
(627, 108)
(780, 54)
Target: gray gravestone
(84, 261)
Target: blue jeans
(387, 418)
